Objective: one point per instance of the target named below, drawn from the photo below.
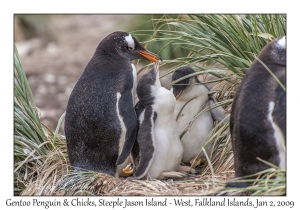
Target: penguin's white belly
(169, 149)
(197, 133)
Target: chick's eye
(130, 48)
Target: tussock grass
(220, 48)
(30, 137)
(271, 182)
(33, 141)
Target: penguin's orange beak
(150, 56)
(178, 95)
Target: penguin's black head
(182, 85)
(143, 89)
(274, 52)
(127, 46)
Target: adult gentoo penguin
(258, 116)
(158, 149)
(192, 96)
(100, 121)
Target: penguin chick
(192, 96)
(100, 121)
(158, 148)
(258, 115)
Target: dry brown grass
(55, 177)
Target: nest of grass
(56, 177)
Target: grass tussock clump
(220, 49)
(271, 182)
(31, 138)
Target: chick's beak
(156, 66)
(178, 95)
(150, 56)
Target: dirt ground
(54, 62)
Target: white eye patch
(130, 41)
(282, 42)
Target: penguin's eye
(130, 48)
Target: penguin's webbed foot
(127, 171)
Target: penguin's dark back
(252, 132)
(91, 115)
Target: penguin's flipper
(127, 112)
(146, 141)
(218, 112)
(277, 117)
(279, 112)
